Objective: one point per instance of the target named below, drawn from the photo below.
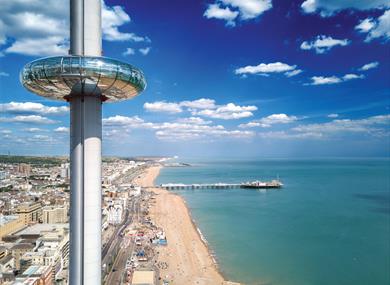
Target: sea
(329, 224)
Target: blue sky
(244, 78)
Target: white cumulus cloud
(44, 46)
(162, 106)
(191, 128)
(249, 9)
(175, 132)
(268, 68)
(369, 66)
(326, 80)
(375, 125)
(229, 111)
(122, 121)
(270, 120)
(193, 120)
(365, 25)
(202, 103)
(351, 76)
(62, 130)
(41, 139)
(30, 119)
(232, 10)
(112, 19)
(5, 132)
(203, 107)
(328, 8)
(32, 108)
(309, 6)
(321, 80)
(376, 28)
(128, 51)
(323, 44)
(145, 51)
(33, 130)
(289, 135)
(215, 11)
(293, 72)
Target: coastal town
(148, 235)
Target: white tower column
(85, 223)
(85, 27)
(85, 153)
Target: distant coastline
(177, 164)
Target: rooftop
(39, 228)
(26, 281)
(23, 246)
(6, 219)
(5, 259)
(36, 270)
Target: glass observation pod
(58, 77)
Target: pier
(247, 185)
(178, 186)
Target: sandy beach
(187, 256)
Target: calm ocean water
(330, 224)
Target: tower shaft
(85, 153)
(85, 197)
(85, 27)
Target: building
(54, 250)
(104, 221)
(19, 249)
(136, 191)
(54, 214)
(4, 174)
(10, 224)
(25, 262)
(7, 264)
(22, 187)
(115, 214)
(52, 247)
(30, 212)
(24, 169)
(65, 171)
(44, 273)
(27, 281)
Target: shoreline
(205, 242)
(190, 259)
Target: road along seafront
(186, 257)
